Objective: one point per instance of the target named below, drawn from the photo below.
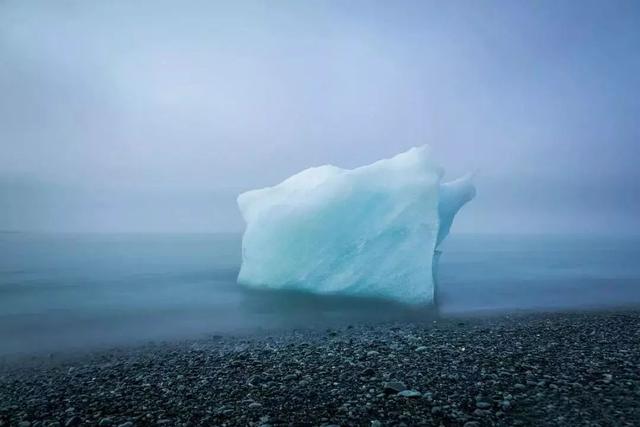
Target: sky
(152, 116)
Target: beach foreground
(524, 369)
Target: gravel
(525, 369)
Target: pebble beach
(578, 368)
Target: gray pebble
(393, 387)
(410, 393)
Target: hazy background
(152, 116)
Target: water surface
(66, 291)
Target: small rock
(254, 380)
(376, 423)
(436, 410)
(372, 353)
(422, 349)
(410, 393)
(368, 372)
(127, 424)
(394, 387)
(255, 405)
(483, 405)
(104, 422)
(73, 421)
(481, 412)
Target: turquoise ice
(370, 231)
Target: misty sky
(153, 116)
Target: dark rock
(393, 387)
(483, 405)
(73, 421)
(368, 372)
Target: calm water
(59, 292)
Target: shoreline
(419, 316)
(570, 368)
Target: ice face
(453, 195)
(369, 231)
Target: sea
(78, 292)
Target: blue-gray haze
(153, 115)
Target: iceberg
(370, 231)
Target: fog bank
(153, 116)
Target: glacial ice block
(369, 231)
